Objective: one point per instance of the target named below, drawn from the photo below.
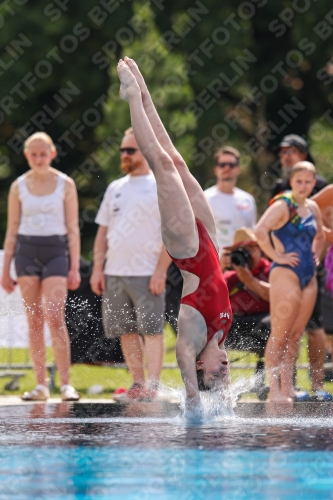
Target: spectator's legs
(54, 291)
(154, 349)
(131, 345)
(307, 299)
(30, 287)
(284, 308)
(132, 349)
(317, 353)
(328, 342)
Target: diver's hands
(288, 259)
(193, 408)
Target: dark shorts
(327, 307)
(129, 307)
(41, 256)
(327, 312)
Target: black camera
(241, 257)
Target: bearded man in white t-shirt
(232, 207)
(130, 267)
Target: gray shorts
(129, 307)
(41, 256)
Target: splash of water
(215, 405)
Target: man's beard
(286, 171)
(128, 166)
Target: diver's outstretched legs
(178, 226)
(199, 203)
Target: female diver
(189, 234)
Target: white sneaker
(68, 393)
(39, 393)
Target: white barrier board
(13, 321)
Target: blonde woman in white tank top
(42, 224)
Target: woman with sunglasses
(189, 234)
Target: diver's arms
(191, 340)
(186, 358)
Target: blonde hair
(40, 136)
(303, 166)
(129, 131)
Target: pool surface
(145, 451)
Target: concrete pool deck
(104, 408)
(16, 400)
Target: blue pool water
(131, 473)
(145, 451)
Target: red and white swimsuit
(211, 298)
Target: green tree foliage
(321, 140)
(259, 70)
(168, 84)
(240, 72)
(54, 77)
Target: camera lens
(241, 257)
(238, 259)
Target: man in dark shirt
(249, 294)
(293, 148)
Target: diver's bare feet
(128, 84)
(137, 73)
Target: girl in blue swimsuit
(298, 238)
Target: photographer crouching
(246, 273)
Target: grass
(84, 376)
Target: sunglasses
(129, 151)
(227, 164)
(288, 152)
